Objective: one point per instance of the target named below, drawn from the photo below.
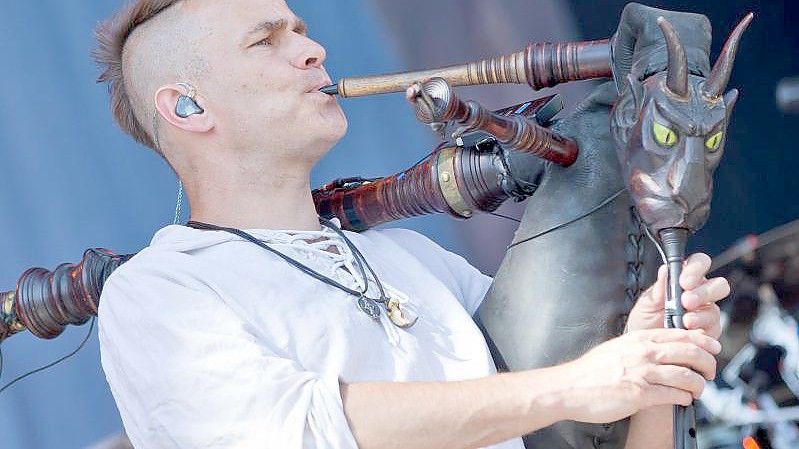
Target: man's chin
(333, 125)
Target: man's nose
(309, 53)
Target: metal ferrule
(471, 180)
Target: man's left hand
(699, 299)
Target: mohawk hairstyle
(111, 37)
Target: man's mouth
(320, 84)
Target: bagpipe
(612, 191)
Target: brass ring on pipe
(449, 186)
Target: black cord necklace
(369, 306)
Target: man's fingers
(655, 296)
(706, 318)
(709, 292)
(676, 377)
(696, 337)
(686, 355)
(658, 291)
(714, 330)
(411, 93)
(694, 271)
(662, 395)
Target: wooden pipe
(436, 102)
(45, 301)
(539, 65)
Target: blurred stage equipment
(756, 397)
(788, 95)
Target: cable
(178, 203)
(657, 244)
(50, 365)
(563, 225)
(424, 158)
(505, 217)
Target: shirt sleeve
(186, 372)
(463, 279)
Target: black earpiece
(187, 105)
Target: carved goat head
(670, 132)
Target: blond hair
(111, 37)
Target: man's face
(262, 77)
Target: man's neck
(247, 200)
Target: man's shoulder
(172, 252)
(419, 246)
(155, 271)
(405, 238)
(157, 288)
(150, 261)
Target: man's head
(255, 72)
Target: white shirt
(209, 341)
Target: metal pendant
(369, 307)
(396, 315)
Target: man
(214, 339)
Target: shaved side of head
(146, 45)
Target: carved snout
(688, 179)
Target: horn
(720, 75)
(677, 73)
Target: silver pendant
(369, 307)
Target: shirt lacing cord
(325, 249)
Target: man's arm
(651, 429)
(616, 379)
(472, 413)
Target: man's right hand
(636, 371)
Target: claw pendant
(396, 316)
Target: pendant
(369, 307)
(396, 316)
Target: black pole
(674, 241)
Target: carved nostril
(677, 198)
(691, 188)
(673, 178)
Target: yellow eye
(713, 142)
(665, 137)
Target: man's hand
(651, 366)
(636, 371)
(699, 299)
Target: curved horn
(677, 71)
(720, 75)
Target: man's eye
(267, 41)
(664, 136)
(713, 142)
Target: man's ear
(166, 101)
